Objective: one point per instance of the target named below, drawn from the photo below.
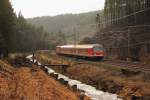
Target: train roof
(80, 46)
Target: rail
(113, 65)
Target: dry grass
(103, 79)
(31, 84)
(107, 79)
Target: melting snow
(88, 90)
(49, 70)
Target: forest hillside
(124, 29)
(17, 35)
(67, 24)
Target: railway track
(114, 65)
(132, 66)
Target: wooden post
(33, 57)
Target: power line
(129, 15)
(131, 45)
(116, 19)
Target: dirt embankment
(127, 87)
(31, 83)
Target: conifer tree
(6, 23)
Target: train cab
(98, 51)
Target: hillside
(122, 41)
(66, 23)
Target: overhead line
(117, 19)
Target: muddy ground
(25, 81)
(128, 87)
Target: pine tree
(6, 23)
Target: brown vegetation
(30, 83)
(127, 87)
(104, 80)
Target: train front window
(97, 49)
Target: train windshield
(98, 48)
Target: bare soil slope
(30, 84)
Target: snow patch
(88, 90)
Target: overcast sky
(34, 8)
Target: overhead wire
(116, 19)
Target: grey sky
(34, 8)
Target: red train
(92, 51)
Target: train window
(98, 48)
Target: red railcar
(94, 51)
